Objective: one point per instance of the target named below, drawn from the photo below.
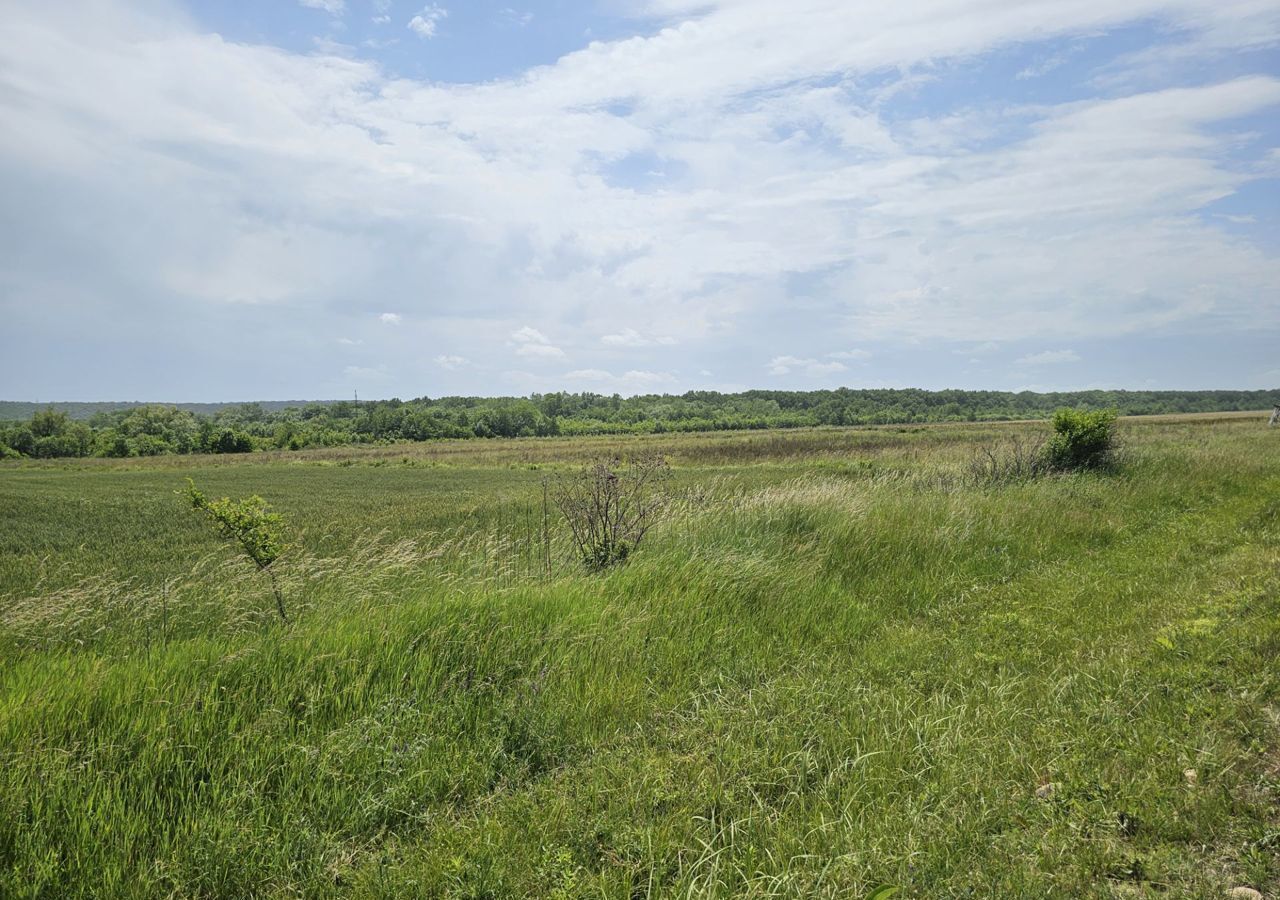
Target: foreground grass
(833, 670)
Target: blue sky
(284, 199)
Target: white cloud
(1049, 357)
(451, 362)
(640, 376)
(629, 337)
(389, 318)
(348, 342)
(786, 365)
(859, 355)
(981, 348)
(533, 344)
(539, 351)
(527, 335)
(425, 23)
(367, 373)
(588, 375)
(511, 16)
(1042, 67)
(955, 225)
(329, 45)
(631, 381)
(332, 7)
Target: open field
(840, 663)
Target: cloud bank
(738, 188)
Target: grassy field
(839, 664)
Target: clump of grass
(1013, 459)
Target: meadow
(841, 665)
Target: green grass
(838, 665)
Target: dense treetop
(147, 430)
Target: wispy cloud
(1049, 358)
(510, 16)
(332, 7)
(425, 23)
(786, 365)
(329, 45)
(1042, 67)
(633, 380)
(814, 196)
(531, 343)
(629, 337)
(390, 318)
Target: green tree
(231, 441)
(49, 422)
(252, 525)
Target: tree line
(155, 429)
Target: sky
(302, 199)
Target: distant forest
(121, 430)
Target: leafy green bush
(1082, 439)
(252, 525)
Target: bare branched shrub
(1015, 459)
(610, 505)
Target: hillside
(16, 410)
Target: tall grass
(822, 673)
